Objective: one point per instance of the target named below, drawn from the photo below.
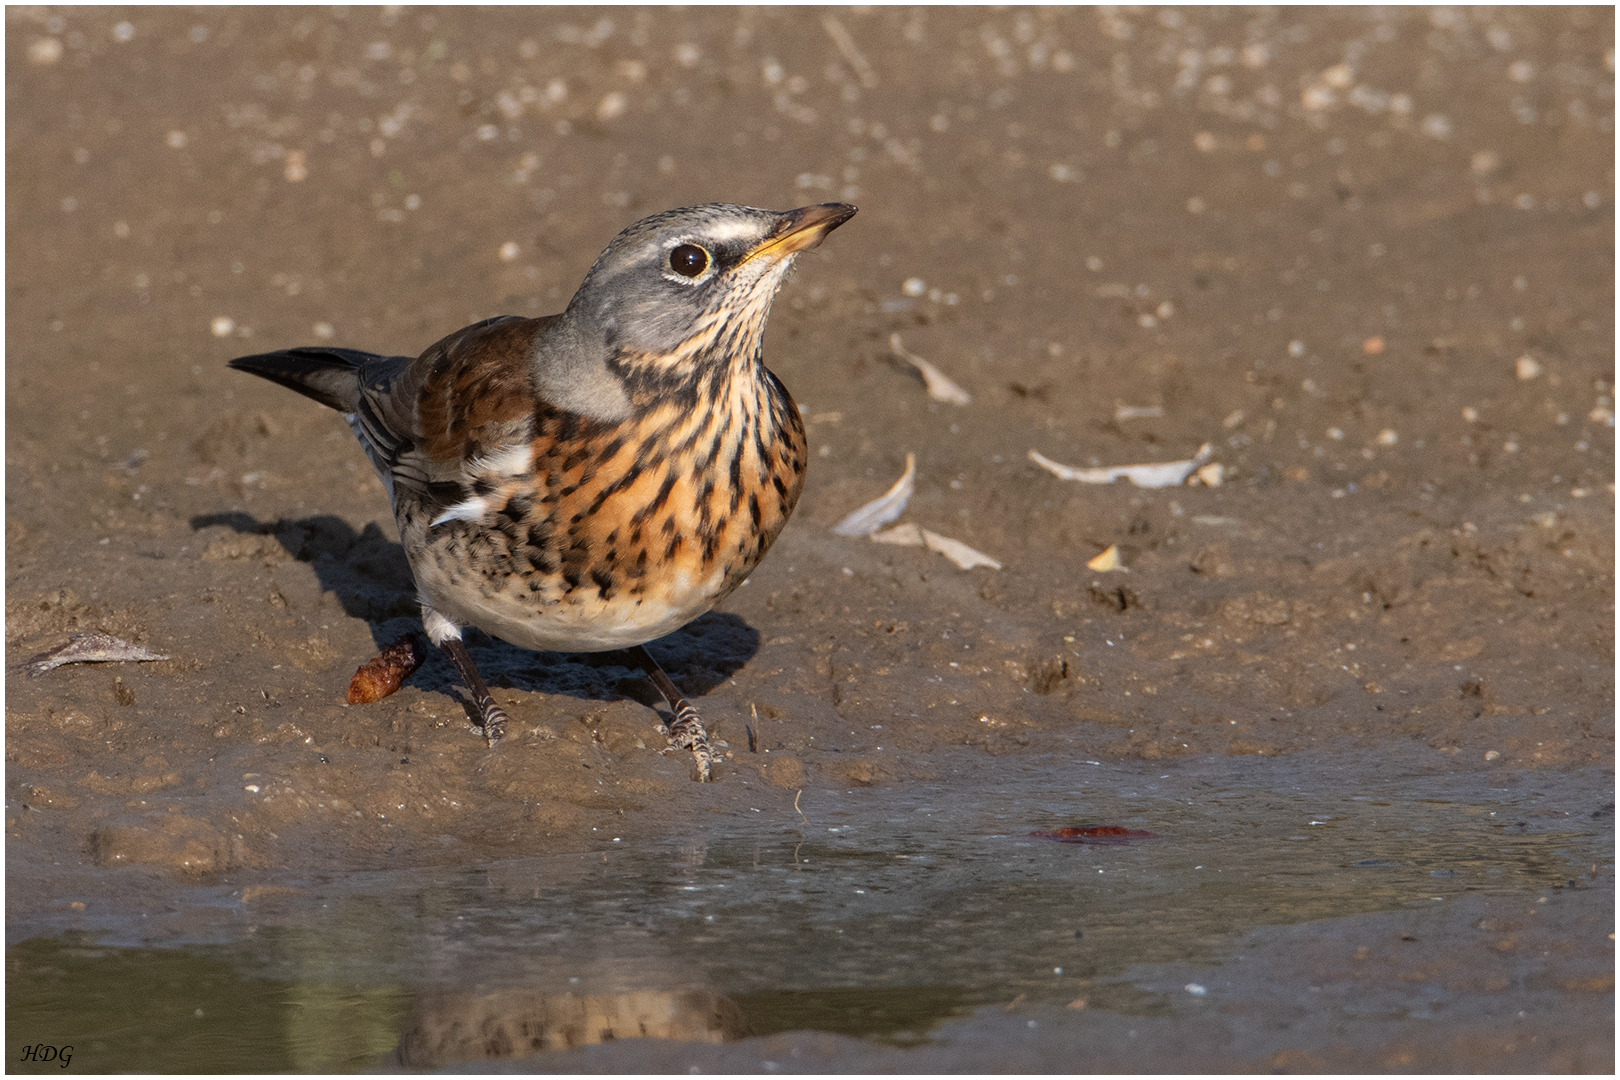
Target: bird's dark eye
(689, 260)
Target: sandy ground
(1367, 256)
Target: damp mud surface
(1318, 778)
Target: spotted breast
(573, 533)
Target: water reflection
(889, 914)
(447, 1027)
(189, 1010)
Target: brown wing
(466, 397)
(477, 394)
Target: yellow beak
(802, 229)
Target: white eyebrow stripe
(721, 231)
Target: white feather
(439, 628)
(879, 512)
(513, 460)
(941, 387)
(911, 535)
(1160, 474)
(469, 510)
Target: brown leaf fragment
(381, 676)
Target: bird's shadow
(368, 575)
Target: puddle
(882, 914)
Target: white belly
(582, 623)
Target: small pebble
(1107, 560)
(45, 51)
(1339, 76)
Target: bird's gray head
(680, 284)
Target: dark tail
(330, 376)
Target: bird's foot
(686, 731)
(491, 717)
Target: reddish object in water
(1096, 834)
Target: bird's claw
(686, 731)
(493, 719)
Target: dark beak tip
(806, 227)
(828, 215)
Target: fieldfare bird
(596, 479)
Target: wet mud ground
(1361, 692)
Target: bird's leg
(446, 634)
(491, 717)
(686, 729)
